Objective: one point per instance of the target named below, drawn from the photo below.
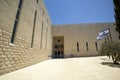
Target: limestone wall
(20, 54)
(82, 33)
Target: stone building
(80, 39)
(117, 15)
(25, 34)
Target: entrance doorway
(58, 47)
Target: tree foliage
(111, 49)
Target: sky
(80, 11)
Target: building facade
(117, 15)
(25, 34)
(80, 39)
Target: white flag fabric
(102, 34)
(99, 37)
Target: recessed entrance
(58, 47)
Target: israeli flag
(102, 34)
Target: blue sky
(80, 11)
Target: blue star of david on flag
(102, 34)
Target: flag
(102, 34)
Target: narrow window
(105, 40)
(77, 46)
(47, 20)
(56, 46)
(61, 46)
(34, 23)
(119, 37)
(37, 1)
(96, 46)
(55, 52)
(17, 14)
(58, 54)
(20, 4)
(16, 21)
(41, 34)
(87, 46)
(108, 38)
(46, 37)
(43, 13)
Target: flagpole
(105, 40)
(110, 34)
(108, 38)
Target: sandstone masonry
(32, 39)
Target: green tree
(111, 49)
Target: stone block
(1, 42)
(5, 36)
(1, 52)
(9, 55)
(5, 33)
(1, 46)
(16, 56)
(6, 43)
(4, 39)
(7, 62)
(1, 59)
(3, 67)
(3, 56)
(2, 72)
(6, 59)
(5, 50)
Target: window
(59, 52)
(96, 46)
(43, 13)
(41, 34)
(87, 46)
(33, 29)
(20, 4)
(77, 46)
(58, 46)
(55, 46)
(55, 52)
(17, 14)
(108, 38)
(58, 40)
(105, 40)
(46, 36)
(61, 46)
(16, 21)
(47, 20)
(37, 1)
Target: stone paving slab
(84, 68)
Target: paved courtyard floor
(84, 68)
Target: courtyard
(83, 68)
